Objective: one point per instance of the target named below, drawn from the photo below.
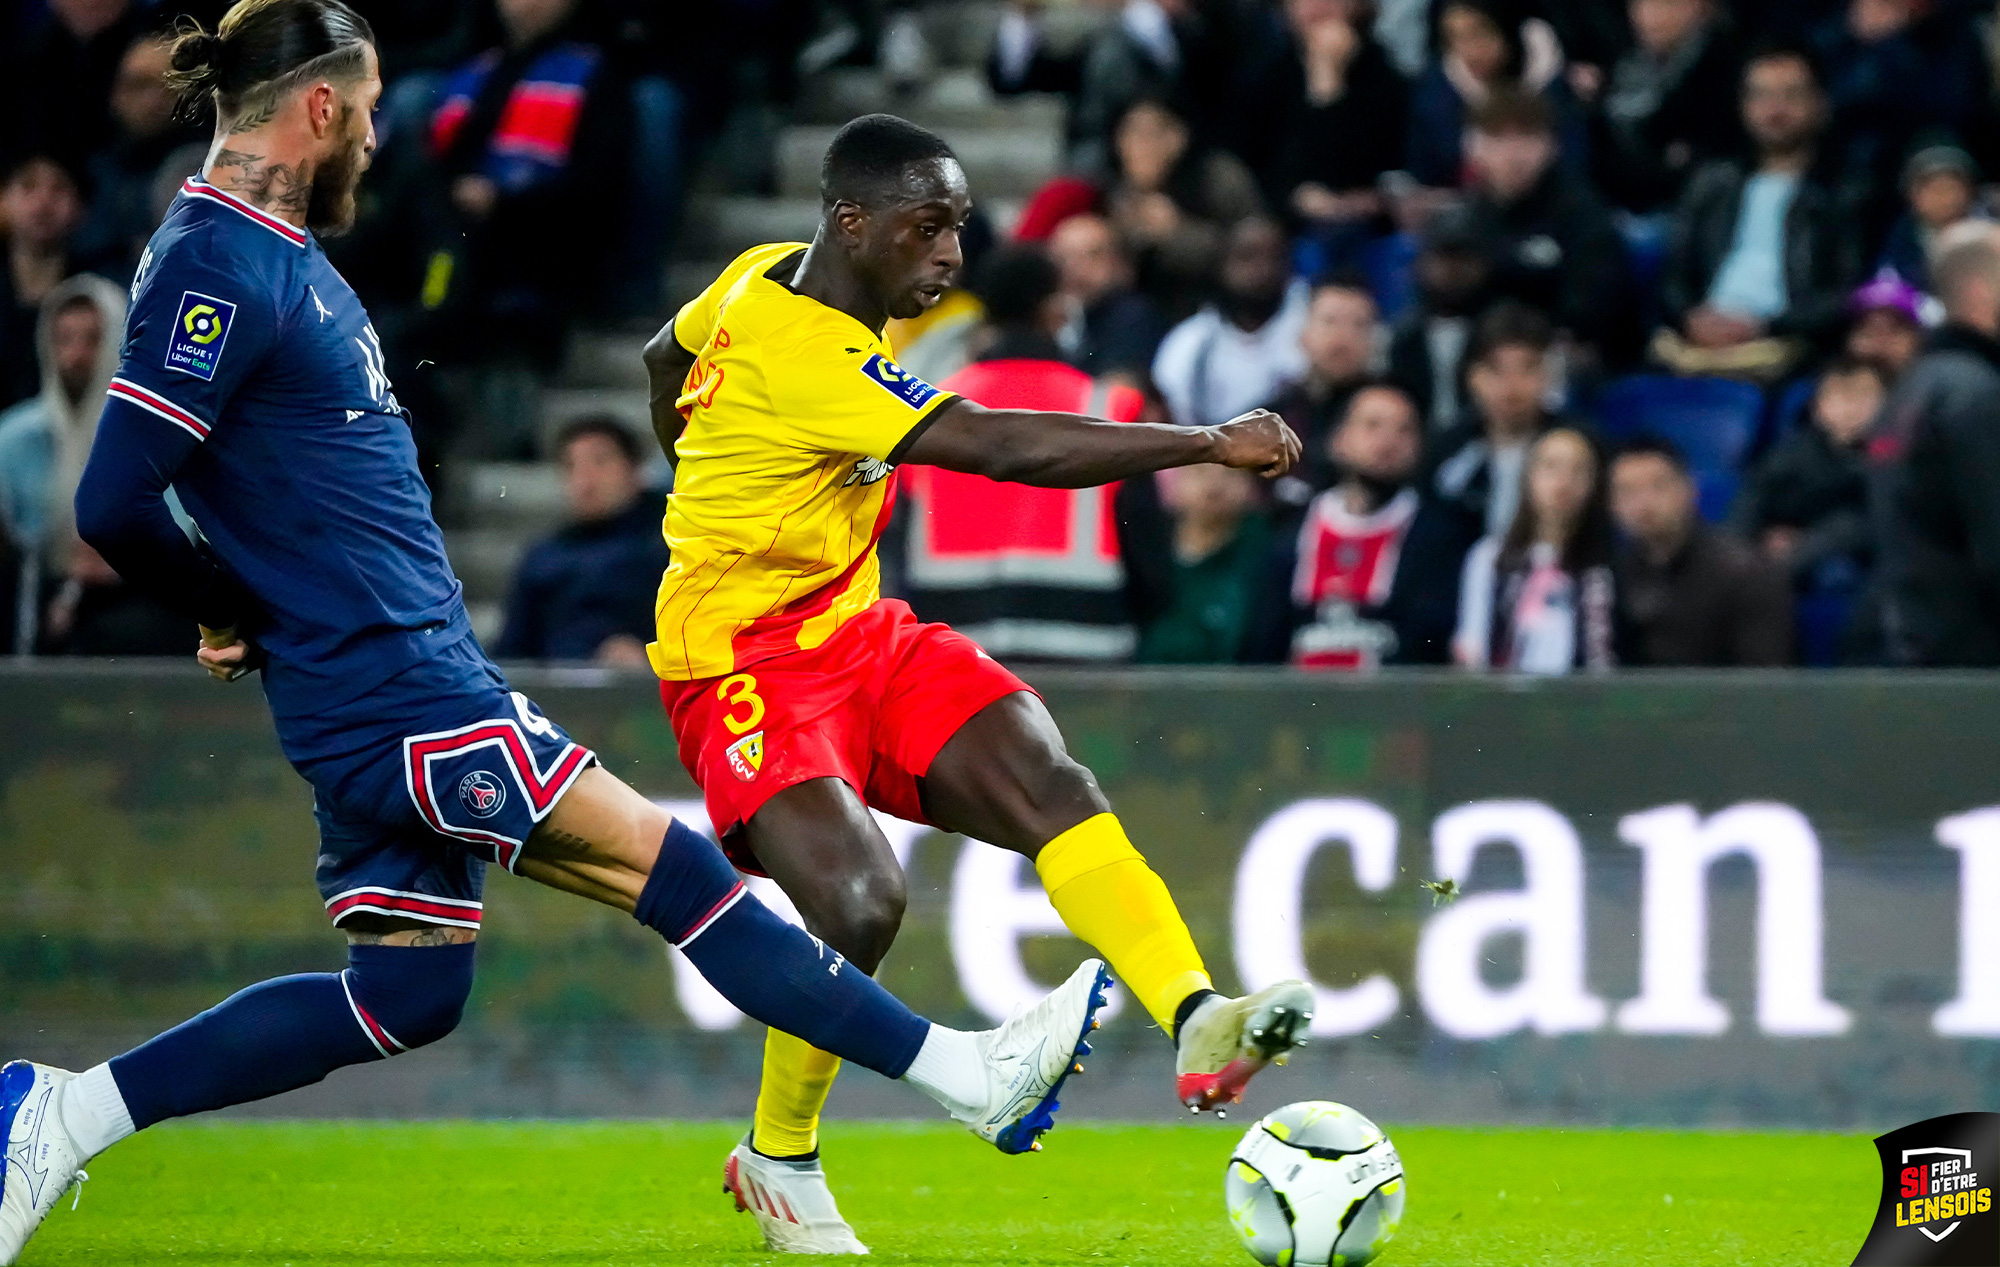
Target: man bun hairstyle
(260, 51)
(866, 162)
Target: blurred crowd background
(1640, 333)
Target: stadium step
(601, 358)
(956, 98)
(524, 497)
(485, 559)
(1001, 162)
(564, 405)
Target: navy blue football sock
(293, 1031)
(774, 972)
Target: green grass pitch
(464, 1194)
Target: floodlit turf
(459, 1194)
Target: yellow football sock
(1109, 897)
(797, 1077)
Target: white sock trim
(950, 1069)
(94, 1112)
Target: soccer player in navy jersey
(252, 382)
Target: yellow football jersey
(783, 477)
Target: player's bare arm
(667, 366)
(1057, 450)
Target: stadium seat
(1713, 421)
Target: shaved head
(879, 160)
(1965, 263)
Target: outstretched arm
(667, 366)
(1057, 450)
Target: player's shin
(1110, 898)
(293, 1031)
(774, 972)
(797, 1078)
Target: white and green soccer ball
(1315, 1185)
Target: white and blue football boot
(1030, 1057)
(41, 1161)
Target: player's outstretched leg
(606, 842)
(274, 1037)
(1006, 778)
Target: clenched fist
(1257, 441)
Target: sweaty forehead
(930, 182)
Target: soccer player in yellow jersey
(800, 697)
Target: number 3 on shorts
(740, 689)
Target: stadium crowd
(1662, 333)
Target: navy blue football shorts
(424, 781)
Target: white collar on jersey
(196, 187)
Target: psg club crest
(746, 755)
(1937, 1195)
(482, 794)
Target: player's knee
(413, 995)
(867, 917)
(1061, 793)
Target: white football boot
(1029, 1058)
(1226, 1041)
(41, 1161)
(794, 1207)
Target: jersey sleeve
(197, 330)
(695, 323)
(839, 400)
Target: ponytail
(262, 49)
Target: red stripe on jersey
(153, 402)
(196, 188)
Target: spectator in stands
(1552, 243)
(1368, 574)
(94, 612)
(1540, 599)
(1319, 138)
(1341, 339)
(121, 217)
(1935, 481)
(1242, 349)
(1181, 50)
(1031, 573)
(1476, 467)
(1941, 188)
(1883, 86)
(1483, 46)
(1762, 254)
(41, 204)
(587, 592)
(1221, 542)
(1670, 105)
(1108, 326)
(1689, 595)
(530, 150)
(1805, 505)
(1172, 201)
(59, 78)
(1890, 317)
(1453, 272)
(45, 439)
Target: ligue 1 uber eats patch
(1937, 1195)
(201, 327)
(897, 381)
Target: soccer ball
(1315, 1185)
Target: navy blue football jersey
(304, 480)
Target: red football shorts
(871, 706)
